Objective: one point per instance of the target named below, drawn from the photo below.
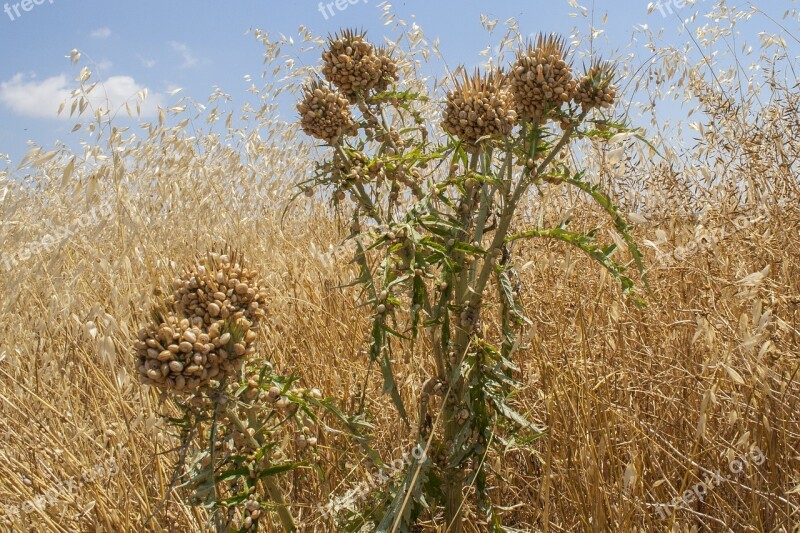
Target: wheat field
(639, 403)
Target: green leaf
(584, 243)
(621, 225)
(507, 292)
(418, 303)
(408, 500)
(468, 248)
(280, 469)
(234, 472)
(390, 386)
(510, 414)
(461, 446)
(355, 425)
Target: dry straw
(635, 401)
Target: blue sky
(197, 44)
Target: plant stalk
(273, 488)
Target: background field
(639, 404)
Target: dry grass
(638, 403)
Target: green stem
(510, 208)
(462, 234)
(273, 488)
(454, 476)
(360, 191)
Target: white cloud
(103, 64)
(189, 59)
(146, 63)
(34, 99)
(101, 33)
(41, 99)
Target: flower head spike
(176, 355)
(218, 287)
(352, 64)
(202, 331)
(388, 70)
(541, 78)
(596, 88)
(325, 113)
(479, 107)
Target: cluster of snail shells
(389, 71)
(355, 168)
(353, 65)
(595, 91)
(324, 113)
(541, 81)
(469, 319)
(185, 357)
(219, 289)
(252, 513)
(479, 108)
(404, 175)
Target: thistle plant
(238, 438)
(202, 331)
(234, 409)
(433, 210)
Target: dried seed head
(478, 108)
(541, 78)
(352, 64)
(324, 113)
(187, 368)
(220, 286)
(389, 75)
(596, 88)
(201, 333)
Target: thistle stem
(508, 214)
(273, 488)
